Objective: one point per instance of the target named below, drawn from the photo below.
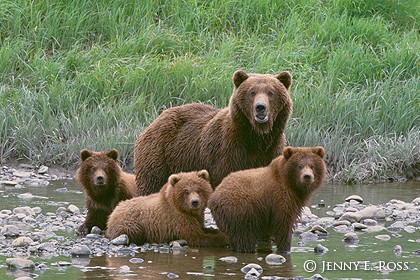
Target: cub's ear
(173, 179)
(319, 151)
(285, 78)
(204, 174)
(288, 152)
(238, 77)
(84, 154)
(113, 153)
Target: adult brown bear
(248, 133)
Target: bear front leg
(283, 239)
(94, 217)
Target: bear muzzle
(261, 113)
(195, 203)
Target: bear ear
(285, 78)
(238, 77)
(203, 174)
(287, 152)
(84, 154)
(173, 179)
(113, 153)
(319, 151)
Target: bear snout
(307, 178)
(100, 178)
(195, 203)
(261, 113)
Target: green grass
(93, 74)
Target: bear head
(305, 168)
(262, 98)
(189, 191)
(98, 172)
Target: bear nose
(195, 203)
(307, 177)
(260, 108)
(100, 180)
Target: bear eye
(300, 166)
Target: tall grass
(92, 74)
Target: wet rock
(396, 227)
(383, 237)
(274, 259)
(308, 236)
(26, 210)
(252, 274)
(24, 278)
(320, 249)
(370, 222)
(359, 226)
(121, 240)
(397, 250)
(352, 217)
(95, 230)
(80, 250)
(22, 174)
(341, 223)
(229, 259)
(22, 241)
(43, 169)
(171, 275)
(342, 228)
(250, 266)
(10, 231)
(410, 229)
(136, 260)
(8, 183)
(320, 231)
(20, 263)
(377, 228)
(351, 237)
(316, 277)
(73, 209)
(416, 201)
(124, 269)
(354, 197)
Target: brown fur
(197, 136)
(176, 212)
(105, 184)
(258, 204)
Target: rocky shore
(29, 232)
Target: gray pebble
(22, 241)
(229, 259)
(250, 266)
(10, 231)
(20, 263)
(274, 259)
(354, 197)
(121, 240)
(171, 275)
(350, 237)
(397, 250)
(320, 249)
(80, 250)
(383, 237)
(352, 217)
(136, 260)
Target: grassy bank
(92, 74)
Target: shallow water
(369, 259)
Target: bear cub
(264, 203)
(176, 212)
(105, 184)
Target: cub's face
(190, 191)
(262, 98)
(305, 167)
(97, 170)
